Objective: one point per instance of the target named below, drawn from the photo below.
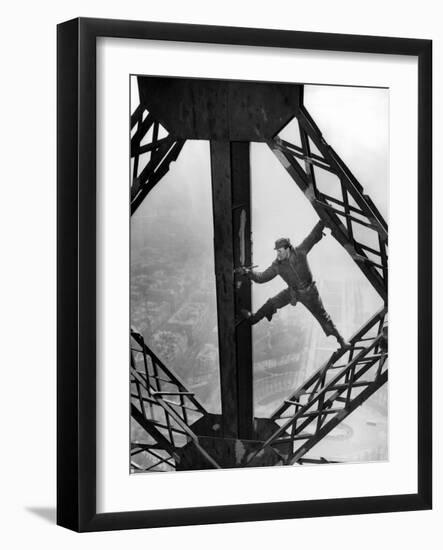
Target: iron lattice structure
(332, 393)
(164, 409)
(152, 155)
(351, 214)
(160, 403)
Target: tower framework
(180, 433)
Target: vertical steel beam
(232, 248)
(241, 221)
(221, 176)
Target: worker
(293, 267)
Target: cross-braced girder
(162, 406)
(350, 211)
(157, 154)
(347, 379)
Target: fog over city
(173, 301)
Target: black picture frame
(76, 274)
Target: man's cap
(282, 243)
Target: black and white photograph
(199, 307)
(258, 274)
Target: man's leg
(270, 307)
(312, 301)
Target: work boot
(246, 314)
(331, 330)
(253, 318)
(344, 344)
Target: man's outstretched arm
(263, 276)
(314, 236)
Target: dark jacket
(295, 271)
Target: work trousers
(310, 298)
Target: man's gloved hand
(244, 270)
(247, 271)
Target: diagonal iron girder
(332, 393)
(338, 214)
(159, 153)
(161, 404)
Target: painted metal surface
(219, 110)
